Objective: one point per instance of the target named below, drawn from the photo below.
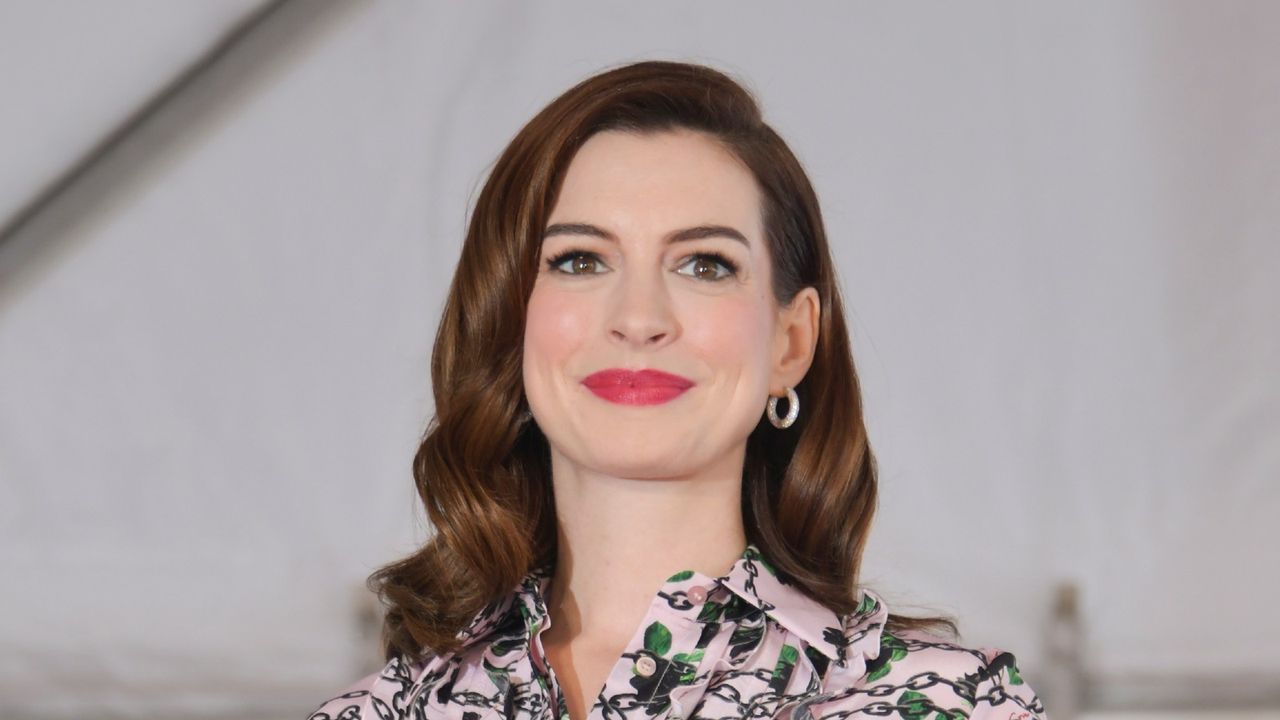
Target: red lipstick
(636, 387)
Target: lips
(636, 387)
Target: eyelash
(554, 262)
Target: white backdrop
(1056, 231)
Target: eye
(580, 258)
(584, 262)
(710, 260)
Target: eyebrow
(682, 235)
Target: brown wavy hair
(483, 470)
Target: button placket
(659, 654)
(678, 695)
(686, 698)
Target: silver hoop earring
(793, 410)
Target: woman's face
(627, 282)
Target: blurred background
(227, 230)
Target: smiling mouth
(636, 387)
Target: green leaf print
(879, 672)
(693, 658)
(894, 649)
(1014, 677)
(688, 663)
(497, 675)
(786, 659)
(790, 654)
(530, 625)
(866, 606)
(657, 639)
(894, 644)
(913, 705)
(681, 576)
(711, 611)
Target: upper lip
(635, 378)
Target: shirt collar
(754, 579)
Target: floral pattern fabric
(743, 645)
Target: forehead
(649, 183)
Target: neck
(620, 538)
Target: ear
(795, 341)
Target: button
(698, 594)
(645, 665)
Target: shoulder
(372, 696)
(921, 675)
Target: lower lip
(625, 395)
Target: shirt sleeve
(1002, 693)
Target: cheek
(731, 335)
(556, 325)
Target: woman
(648, 471)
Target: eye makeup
(553, 263)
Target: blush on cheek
(730, 331)
(556, 325)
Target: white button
(697, 593)
(645, 665)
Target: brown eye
(706, 267)
(579, 263)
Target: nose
(641, 314)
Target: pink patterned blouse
(744, 645)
